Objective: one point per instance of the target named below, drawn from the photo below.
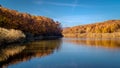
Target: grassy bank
(10, 36)
(106, 29)
(93, 35)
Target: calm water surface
(62, 53)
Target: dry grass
(93, 35)
(10, 35)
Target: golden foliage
(36, 25)
(110, 26)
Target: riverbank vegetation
(108, 29)
(31, 25)
(10, 35)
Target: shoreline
(27, 40)
(93, 35)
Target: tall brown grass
(10, 35)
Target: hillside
(101, 29)
(29, 24)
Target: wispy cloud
(74, 4)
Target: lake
(62, 53)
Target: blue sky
(69, 12)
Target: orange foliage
(110, 26)
(36, 25)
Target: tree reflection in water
(13, 54)
(106, 43)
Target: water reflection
(106, 43)
(13, 54)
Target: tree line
(35, 25)
(109, 26)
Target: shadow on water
(13, 54)
(105, 43)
